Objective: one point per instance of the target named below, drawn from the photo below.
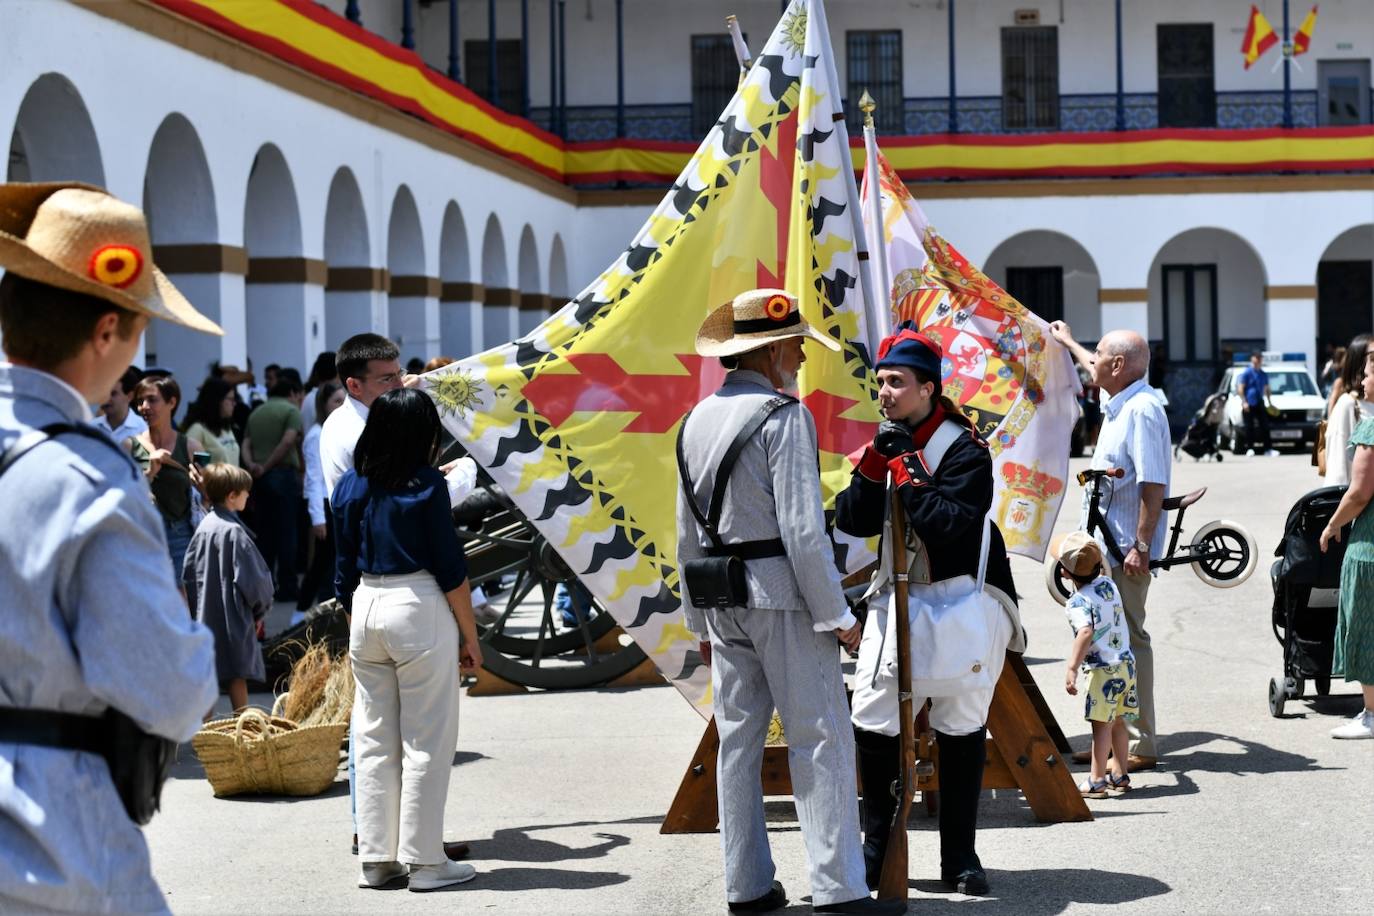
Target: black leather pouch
(716, 582)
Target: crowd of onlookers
(269, 430)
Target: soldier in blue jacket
(942, 472)
(93, 619)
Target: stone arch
(1212, 301)
(278, 327)
(460, 308)
(527, 263)
(1345, 289)
(495, 273)
(353, 282)
(500, 317)
(455, 264)
(183, 217)
(411, 300)
(53, 138)
(1051, 274)
(558, 272)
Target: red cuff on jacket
(909, 469)
(872, 465)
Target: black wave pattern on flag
(619, 547)
(822, 211)
(527, 354)
(691, 661)
(570, 494)
(522, 442)
(779, 80)
(666, 601)
(810, 140)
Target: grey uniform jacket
(774, 491)
(92, 618)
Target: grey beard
(790, 385)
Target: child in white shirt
(1102, 647)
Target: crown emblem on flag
(1030, 481)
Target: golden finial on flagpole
(867, 106)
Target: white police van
(1295, 394)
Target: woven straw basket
(258, 754)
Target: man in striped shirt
(1135, 438)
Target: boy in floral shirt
(1102, 646)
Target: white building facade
(297, 211)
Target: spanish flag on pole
(577, 420)
(1259, 36)
(1302, 40)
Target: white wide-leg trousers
(404, 648)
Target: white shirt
(133, 425)
(339, 437)
(1135, 438)
(1098, 605)
(314, 476)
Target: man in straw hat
(769, 632)
(93, 620)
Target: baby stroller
(1305, 595)
(1200, 438)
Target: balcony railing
(977, 115)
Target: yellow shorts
(1112, 692)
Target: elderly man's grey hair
(1133, 347)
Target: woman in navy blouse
(402, 576)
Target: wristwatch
(1141, 546)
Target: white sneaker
(1273, 452)
(433, 877)
(1362, 726)
(380, 874)
(1249, 453)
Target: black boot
(878, 768)
(961, 785)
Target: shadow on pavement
(515, 844)
(1043, 891)
(532, 879)
(462, 757)
(1252, 758)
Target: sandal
(1119, 786)
(1090, 789)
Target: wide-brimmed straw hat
(79, 238)
(752, 320)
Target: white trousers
(404, 648)
(874, 706)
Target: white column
(189, 353)
(460, 328)
(1291, 327)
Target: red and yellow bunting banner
(311, 37)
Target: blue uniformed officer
(93, 629)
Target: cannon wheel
(527, 644)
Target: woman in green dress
(1354, 657)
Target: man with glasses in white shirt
(1135, 438)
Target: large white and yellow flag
(577, 420)
(1004, 370)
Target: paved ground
(561, 795)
